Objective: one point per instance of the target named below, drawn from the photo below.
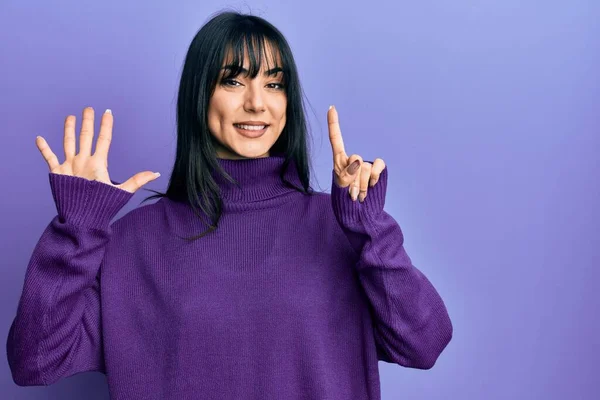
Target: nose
(254, 101)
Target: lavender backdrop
(486, 113)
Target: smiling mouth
(252, 132)
(250, 127)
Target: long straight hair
(191, 181)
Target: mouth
(251, 127)
(251, 131)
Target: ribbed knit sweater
(292, 297)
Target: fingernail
(354, 193)
(108, 110)
(157, 174)
(330, 107)
(361, 197)
(354, 167)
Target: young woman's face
(241, 99)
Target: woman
(288, 294)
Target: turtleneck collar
(258, 178)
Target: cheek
(282, 113)
(213, 109)
(221, 106)
(213, 119)
(216, 118)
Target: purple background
(485, 112)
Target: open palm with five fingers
(84, 164)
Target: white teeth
(251, 127)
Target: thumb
(138, 180)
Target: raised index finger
(335, 133)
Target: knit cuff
(351, 210)
(80, 201)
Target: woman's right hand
(84, 164)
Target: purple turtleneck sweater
(292, 297)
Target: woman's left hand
(351, 171)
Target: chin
(254, 152)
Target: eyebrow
(269, 72)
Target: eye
(281, 86)
(227, 82)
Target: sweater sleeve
(57, 329)
(411, 323)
